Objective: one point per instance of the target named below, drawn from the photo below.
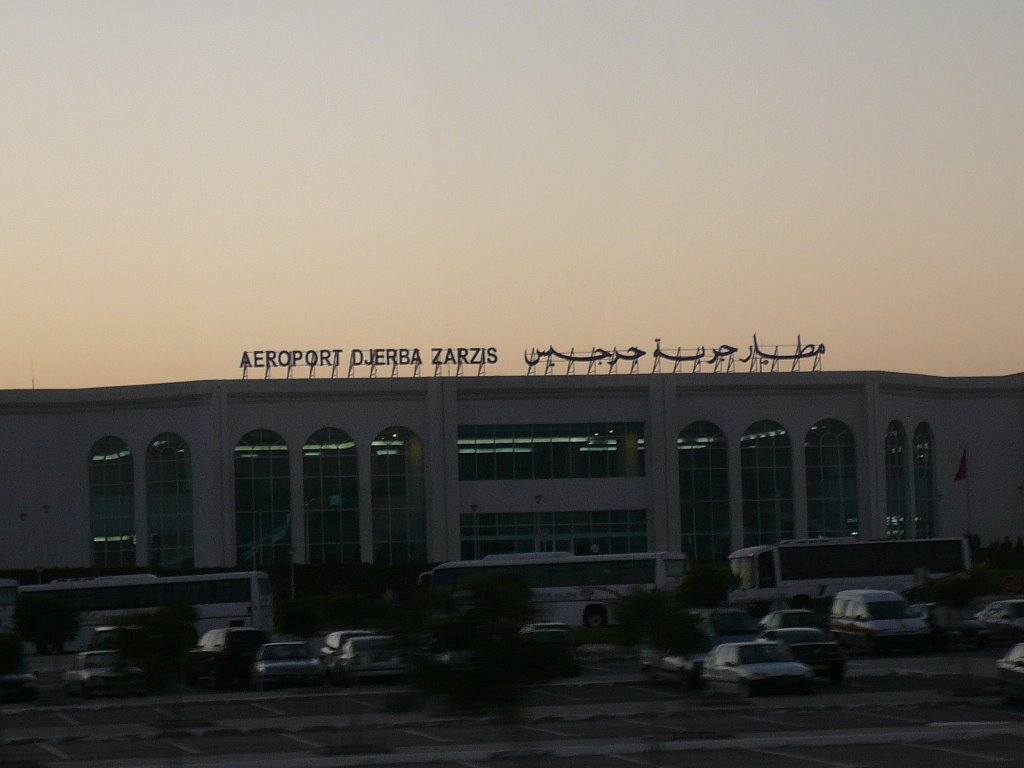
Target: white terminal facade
(423, 469)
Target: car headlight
(260, 667)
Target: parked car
(1010, 670)
(333, 642)
(728, 625)
(754, 668)
(285, 663)
(102, 672)
(814, 647)
(682, 669)
(369, 657)
(947, 630)
(876, 620)
(1004, 620)
(548, 652)
(224, 655)
(109, 638)
(794, 617)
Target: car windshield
(890, 609)
(286, 651)
(819, 620)
(373, 644)
(763, 652)
(808, 635)
(734, 623)
(248, 640)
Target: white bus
(807, 572)
(577, 590)
(8, 599)
(241, 599)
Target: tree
(45, 621)
(660, 620)
(478, 659)
(159, 642)
(705, 586)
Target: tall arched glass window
(830, 457)
(330, 497)
(924, 482)
(766, 470)
(398, 498)
(895, 481)
(169, 502)
(704, 492)
(263, 534)
(112, 504)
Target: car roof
(870, 595)
(783, 631)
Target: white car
(102, 672)
(756, 667)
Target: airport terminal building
(254, 472)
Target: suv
(225, 655)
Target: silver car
(102, 672)
(1010, 669)
(757, 667)
(369, 656)
(286, 663)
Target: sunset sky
(184, 181)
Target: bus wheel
(595, 617)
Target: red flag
(961, 473)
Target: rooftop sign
(459, 361)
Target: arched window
(112, 504)
(263, 533)
(924, 482)
(704, 492)
(398, 498)
(895, 481)
(766, 470)
(330, 497)
(169, 502)
(830, 457)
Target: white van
(877, 620)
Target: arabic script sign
(721, 358)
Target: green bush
(45, 621)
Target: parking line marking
(897, 718)
(67, 718)
(303, 741)
(564, 696)
(769, 720)
(59, 754)
(798, 756)
(959, 752)
(424, 735)
(186, 748)
(266, 708)
(633, 760)
(548, 731)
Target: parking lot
(901, 709)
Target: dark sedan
(815, 648)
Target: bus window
(766, 569)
